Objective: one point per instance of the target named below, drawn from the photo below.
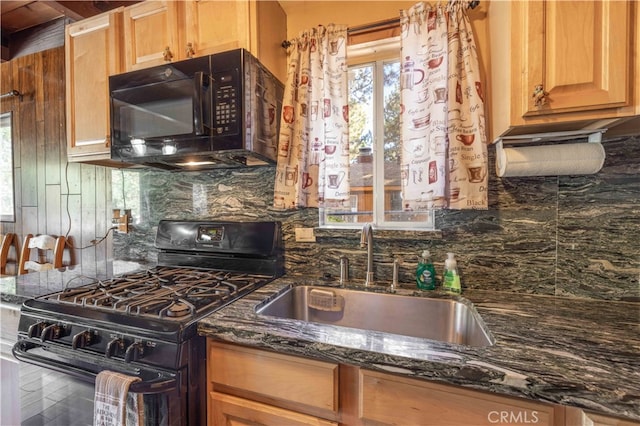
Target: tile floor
(51, 398)
(46, 397)
(31, 395)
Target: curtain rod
(376, 25)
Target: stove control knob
(82, 339)
(52, 332)
(35, 330)
(113, 346)
(134, 351)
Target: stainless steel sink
(443, 320)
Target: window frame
(377, 53)
(8, 117)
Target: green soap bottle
(451, 277)
(426, 272)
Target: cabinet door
(386, 399)
(216, 26)
(230, 410)
(258, 26)
(271, 30)
(290, 381)
(151, 34)
(579, 417)
(579, 51)
(92, 53)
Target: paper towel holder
(530, 142)
(584, 135)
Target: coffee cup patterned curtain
(313, 147)
(444, 151)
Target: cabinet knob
(190, 50)
(539, 96)
(167, 55)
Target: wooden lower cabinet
(269, 386)
(231, 410)
(580, 417)
(393, 400)
(248, 386)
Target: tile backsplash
(573, 236)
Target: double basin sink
(445, 320)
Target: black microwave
(220, 110)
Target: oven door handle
(165, 382)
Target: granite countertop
(575, 352)
(17, 289)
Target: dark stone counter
(17, 289)
(575, 352)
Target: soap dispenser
(451, 277)
(426, 272)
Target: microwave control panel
(226, 113)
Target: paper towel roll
(550, 160)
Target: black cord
(67, 242)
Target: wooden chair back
(6, 242)
(44, 244)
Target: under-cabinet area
(252, 386)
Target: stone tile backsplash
(573, 236)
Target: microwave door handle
(198, 78)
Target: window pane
(375, 151)
(361, 133)
(392, 174)
(125, 192)
(7, 210)
(391, 132)
(360, 206)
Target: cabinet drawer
(580, 417)
(273, 376)
(230, 410)
(390, 400)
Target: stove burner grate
(163, 292)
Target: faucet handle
(396, 267)
(344, 270)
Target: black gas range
(144, 323)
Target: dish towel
(113, 404)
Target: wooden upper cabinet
(156, 32)
(151, 34)
(213, 26)
(92, 53)
(269, 23)
(580, 53)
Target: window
(7, 207)
(125, 192)
(374, 133)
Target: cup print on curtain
(468, 161)
(423, 85)
(314, 122)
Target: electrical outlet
(123, 224)
(305, 235)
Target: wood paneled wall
(52, 196)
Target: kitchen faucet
(366, 239)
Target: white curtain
(313, 146)
(444, 152)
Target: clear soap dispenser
(451, 277)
